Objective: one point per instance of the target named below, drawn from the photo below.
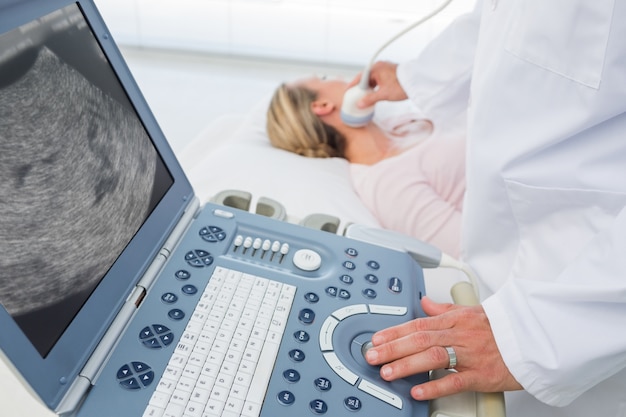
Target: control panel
(331, 295)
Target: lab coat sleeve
(560, 338)
(438, 80)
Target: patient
(412, 180)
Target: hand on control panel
(421, 345)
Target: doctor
(545, 217)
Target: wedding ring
(452, 356)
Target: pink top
(418, 192)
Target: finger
(412, 344)
(441, 322)
(435, 357)
(368, 100)
(453, 383)
(432, 308)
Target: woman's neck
(367, 145)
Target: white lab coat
(544, 217)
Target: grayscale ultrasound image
(76, 177)
(76, 173)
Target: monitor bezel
(52, 376)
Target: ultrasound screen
(78, 173)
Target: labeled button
(291, 375)
(348, 311)
(373, 265)
(176, 314)
(301, 336)
(169, 298)
(326, 333)
(369, 293)
(296, 355)
(318, 407)
(189, 289)
(311, 297)
(323, 384)
(352, 403)
(306, 316)
(286, 398)
(339, 368)
(124, 372)
(381, 393)
(182, 275)
(344, 294)
(395, 285)
(349, 265)
(388, 310)
(307, 260)
(371, 278)
(146, 333)
(346, 279)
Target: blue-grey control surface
(357, 290)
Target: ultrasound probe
(351, 114)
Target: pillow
(244, 159)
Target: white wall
(344, 32)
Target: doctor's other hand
(420, 346)
(384, 82)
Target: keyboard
(229, 345)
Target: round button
(331, 291)
(344, 294)
(189, 289)
(323, 384)
(346, 279)
(349, 265)
(199, 258)
(311, 297)
(306, 316)
(176, 314)
(373, 265)
(353, 253)
(169, 298)
(286, 398)
(296, 355)
(371, 278)
(291, 375)
(301, 336)
(212, 234)
(352, 403)
(135, 375)
(307, 260)
(369, 293)
(318, 407)
(182, 275)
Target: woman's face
(331, 89)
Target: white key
(152, 411)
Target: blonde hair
(292, 125)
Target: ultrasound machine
(123, 296)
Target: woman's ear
(322, 107)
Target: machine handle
(488, 404)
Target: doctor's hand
(420, 346)
(385, 83)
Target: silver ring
(452, 356)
